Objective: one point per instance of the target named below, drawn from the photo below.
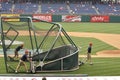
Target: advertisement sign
(99, 18)
(14, 17)
(44, 17)
(71, 18)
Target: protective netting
(50, 46)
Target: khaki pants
(89, 57)
(21, 63)
(16, 54)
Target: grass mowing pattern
(80, 42)
(97, 44)
(101, 66)
(2, 66)
(113, 28)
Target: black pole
(3, 44)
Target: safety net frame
(60, 55)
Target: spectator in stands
(0, 7)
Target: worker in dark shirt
(89, 53)
(22, 61)
(18, 49)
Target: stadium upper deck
(87, 7)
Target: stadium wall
(69, 18)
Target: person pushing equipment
(88, 56)
(89, 53)
(18, 49)
(24, 58)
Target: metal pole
(3, 44)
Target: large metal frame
(3, 36)
(41, 61)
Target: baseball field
(105, 52)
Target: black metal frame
(30, 25)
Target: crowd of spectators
(61, 6)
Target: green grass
(101, 66)
(2, 66)
(79, 41)
(97, 44)
(92, 27)
(81, 27)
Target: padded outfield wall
(70, 18)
